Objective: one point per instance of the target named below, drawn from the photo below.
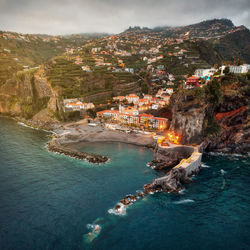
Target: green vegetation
(199, 93)
(91, 113)
(212, 126)
(214, 92)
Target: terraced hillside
(70, 81)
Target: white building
(205, 72)
(239, 69)
(132, 98)
(77, 106)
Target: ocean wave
(28, 126)
(25, 125)
(227, 155)
(223, 184)
(222, 171)
(205, 166)
(182, 191)
(184, 201)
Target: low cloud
(113, 16)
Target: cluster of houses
(148, 101)
(131, 106)
(138, 120)
(76, 105)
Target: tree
(91, 113)
(214, 92)
(144, 88)
(226, 70)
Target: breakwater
(55, 146)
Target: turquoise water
(47, 200)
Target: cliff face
(188, 117)
(28, 95)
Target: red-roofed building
(132, 98)
(119, 98)
(108, 114)
(149, 97)
(192, 81)
(150, 121)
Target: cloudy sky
(113, 16)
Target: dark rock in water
(131, 197)
(125, 201)
(55, 146)
(140, 194)
(148, 188)
(117, 207)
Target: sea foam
(184, 201)
(205, 166)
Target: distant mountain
(235, 44)
(137, 29)
(206, 29)
(88, 35)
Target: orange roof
(75, 104)
(193, 77)
(143, 100)
(108, 111)
(146, 115)
(132, 95)
(160, 119)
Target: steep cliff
(188, 116)
(28, 95)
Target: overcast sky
(113, 16)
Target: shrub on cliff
(212, 126)
(214, 93)
(199, 93)
(91, 113)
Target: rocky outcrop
(172, 182)
(164, 158)
(54, 146)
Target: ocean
(51, 201)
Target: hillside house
(204, 72)
(192, 82)
(132, 98)
(239, 69)
(119, 98)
